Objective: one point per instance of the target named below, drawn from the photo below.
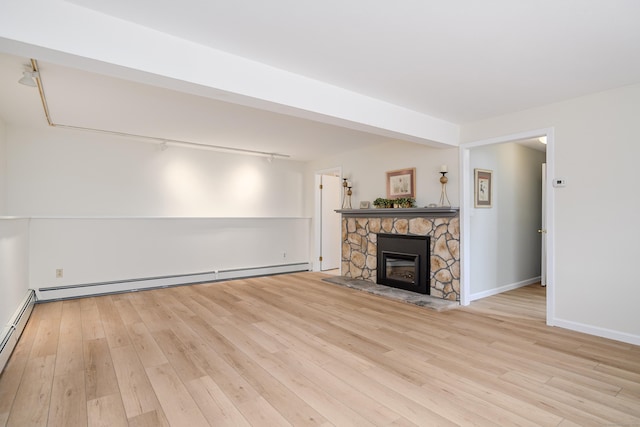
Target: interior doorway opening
(540, 232)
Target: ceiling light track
(163, 142)
(36, 76)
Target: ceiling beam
(66, 34)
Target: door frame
(466, 207)
(317, 214)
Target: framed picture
(401, 183)
(483, 188)
(364, 205)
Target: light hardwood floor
(293, 350)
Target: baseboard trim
(501, 289)
(138, 284)
(14, 328)
(597, 331)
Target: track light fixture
(29, 78)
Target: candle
(443, 168)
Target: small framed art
(483, 188)
(401, 183)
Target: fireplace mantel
(444, 212)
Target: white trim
(317, 214)
(465, 221)
(597, 331)
(466, 204)
(505, 288)
(550, 226)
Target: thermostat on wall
(559, 182)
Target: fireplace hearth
(403, 261)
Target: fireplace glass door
(401, 267)
(403, 262)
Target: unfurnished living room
(319, 213)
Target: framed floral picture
(401, 183)
(483, 188)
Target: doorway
(470, 221)
(328, 222)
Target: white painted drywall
(596, 226)
(56, 172)
(107, 209)
(504, 241)
(91, 250)
(3, 167)
(367, 168)
(14, 265)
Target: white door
(543, 228)
(330, 227)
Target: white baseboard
(12, 330)
(597, 331)
(132, 285)
(561, 323)
(501, 289)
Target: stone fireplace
(360, 229)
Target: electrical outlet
(559, 183)
(59, 273)
(284, 254)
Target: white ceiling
(457, 60)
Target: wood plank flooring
(291, 350)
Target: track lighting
(29, 78)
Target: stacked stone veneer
(359, 249)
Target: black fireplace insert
(404, 262)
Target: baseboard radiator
(138, 284)
(14, 328)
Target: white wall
(14, 265)
(3, 167)
(55, 172)
(505, 244)
(98, 250)
(108, 209)
(596, 228)
(366, 169)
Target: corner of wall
(3, 168)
